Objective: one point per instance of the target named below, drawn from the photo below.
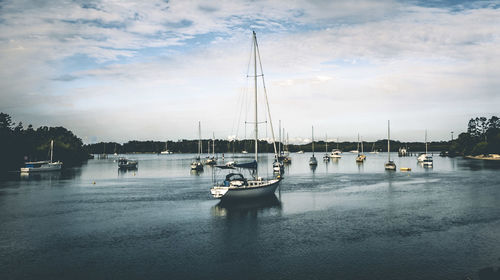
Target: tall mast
(389, 139)
(51, 149)
(213, 144)
(255, 83)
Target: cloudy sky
(123, 70)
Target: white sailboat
(336, 153)
(235, 185)
(374, 151)
(211, 160)
(427, 160)
(389, 165)
(312, 160)
(196, 165)
(423, 156)
(166, 151)
(326, 157)
(41, 166)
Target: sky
(150, 70)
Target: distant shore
(485, 157)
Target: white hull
(51, 166)
(421, 157)
(253, 190)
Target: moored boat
(389, 165)
(42, 166)
(124, 163)
(235, 185)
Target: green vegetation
(18, 144)
(227, 147)
(482, 137)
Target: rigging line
(238, 102)
(267, 101)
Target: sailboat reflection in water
(235, 185)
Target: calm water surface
(339, 221)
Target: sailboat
(326, 157)
(196, 164)
(287, 158)
(374, 151)
(426, 159)
(235, 185)
(166, 151)
(41, 166)
(211, 160)
(390, 165)
(336, 153)
(361, 156)
(312, 160)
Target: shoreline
(494, 157)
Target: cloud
(169, 64)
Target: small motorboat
(124, 163)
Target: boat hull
(53, 166)
(234, 193)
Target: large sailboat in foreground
(235, 185)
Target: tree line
(19, 144)
(237, 146)
(482, 137)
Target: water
(339, 221)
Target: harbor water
(341, 220)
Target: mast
(362, 151)
(279, 143)
(287, 141)
(284, 144)
(326, 143)
(312, 132)
(51, 149)
(255, 84)
(358, 145)
(199, 139)
(389, 139)
(213, 144)
(426, 141)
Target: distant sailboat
(336, 153)
(312, 160)
(390, 165)
(166, 151)
(287, 158)
(361, 156)
(235, 185)
(374, 151)
(211, 160)
(326, 157)
(196, 164)
(427, 160)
